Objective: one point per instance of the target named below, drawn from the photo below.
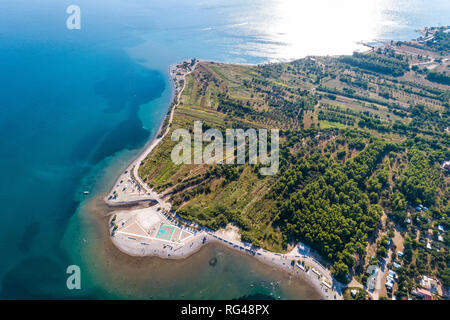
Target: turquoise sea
(77, 105)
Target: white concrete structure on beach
(148, 228)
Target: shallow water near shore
(232, 275)
(77, 106)
(109, 273)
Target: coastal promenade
(157, 231)
(135, 235)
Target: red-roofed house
(423, 293)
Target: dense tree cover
(325, 204)
(439, 77)
(377, 63)
(440, 41)
(419, 181)
(418, 261)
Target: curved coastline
(279, 262)
(129, 190)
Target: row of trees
(377, 63)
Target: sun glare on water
(291, 29)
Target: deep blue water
(74, 103)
